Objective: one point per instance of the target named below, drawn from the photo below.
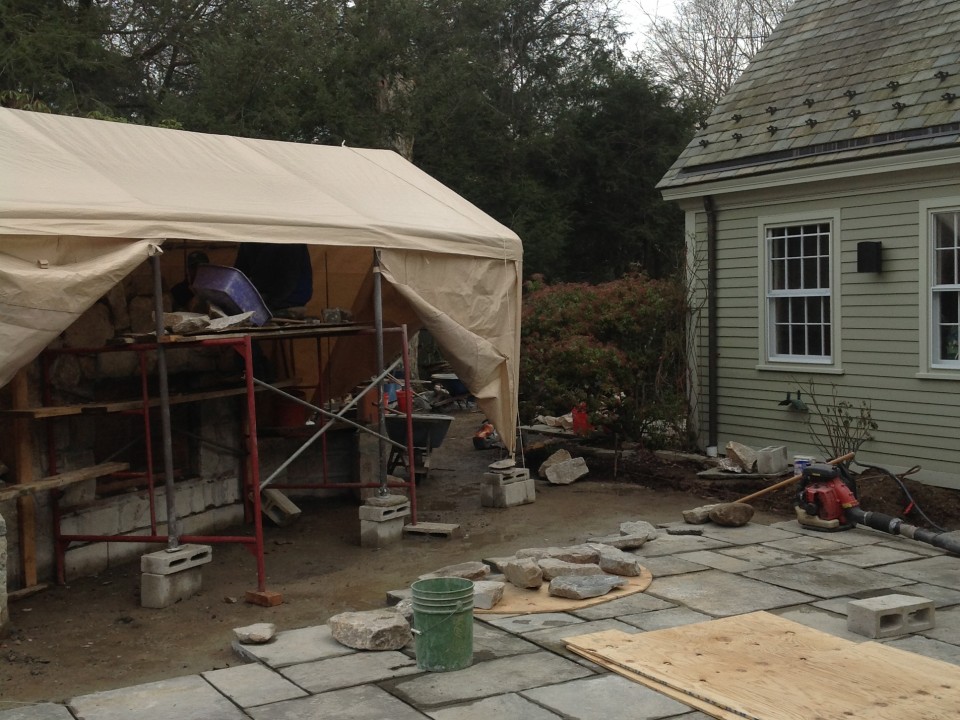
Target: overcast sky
(637, 14)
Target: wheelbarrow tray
(429, 430)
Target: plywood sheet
(518, 601)
(762, 667)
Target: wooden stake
(23, 473)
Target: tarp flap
(478, 326)
(46, 283)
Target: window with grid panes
(798, 292)
(945, 289)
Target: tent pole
(173, 524)
(378, 324)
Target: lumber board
(53, 482)
(23, 474)
(763, 667)
(521, 601)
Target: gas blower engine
(827, 500)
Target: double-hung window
(799, 292)
(945, 289)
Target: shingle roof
(837, 80)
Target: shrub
(618, 347)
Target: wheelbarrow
(429, 430)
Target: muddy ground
(92, 634)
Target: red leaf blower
(827, 500)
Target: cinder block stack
(507, 488)
(382, 520)
(168, 576)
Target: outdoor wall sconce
(794, 403)
(869, 256)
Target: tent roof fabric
(75, 176)
(83, 202)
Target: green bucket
(443, 623)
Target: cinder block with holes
(505, 477)
(510, 495)
(167, 562)
(889, 615)
(382, 514)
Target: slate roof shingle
(842, 79)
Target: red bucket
(403, 399)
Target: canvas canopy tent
(83, 202)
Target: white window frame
(930, 364)
(769, 358)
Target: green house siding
(878, 333)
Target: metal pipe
(713, 351)
(173, 523)
(378, 326)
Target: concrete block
(83, 560)
(380, 533)
(505, 477)
(278, 507)
(515, 493)
(373, 513)
(166, 562)
(890, 615)
(772, 460)
(161, 591)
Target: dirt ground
(92, 634)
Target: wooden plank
(22, 476)
(22, 490)
(52, 411)
(763, 667)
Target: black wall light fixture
(870, 257)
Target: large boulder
(732, 514)
(523, 572)
(384, 629)
(582, 587)
(552, 568)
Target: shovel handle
(783, 483)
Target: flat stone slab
(365, 702)
(856, 536)
(948, 627)
(252, 685)
(499, 706)
(865, 556)
(350, 670)
(807, 544)
(666, 565)
(503, 675)
(606, 696)
(943, 570)
(294, 646)
(718, 561)
(940, 596)
(520, 624)
(629, 605)
(824, 578)
(554, 638)
(764, 556)
(183, 698)
(721, 594)
(490, 642)
(820, 620)
(41, 711)
(912, 546)
(747, 534)
(928, 647)
(663, 619)
(675, 544)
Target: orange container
(403, 399)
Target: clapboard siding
(878, 327)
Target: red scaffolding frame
(250, 480)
